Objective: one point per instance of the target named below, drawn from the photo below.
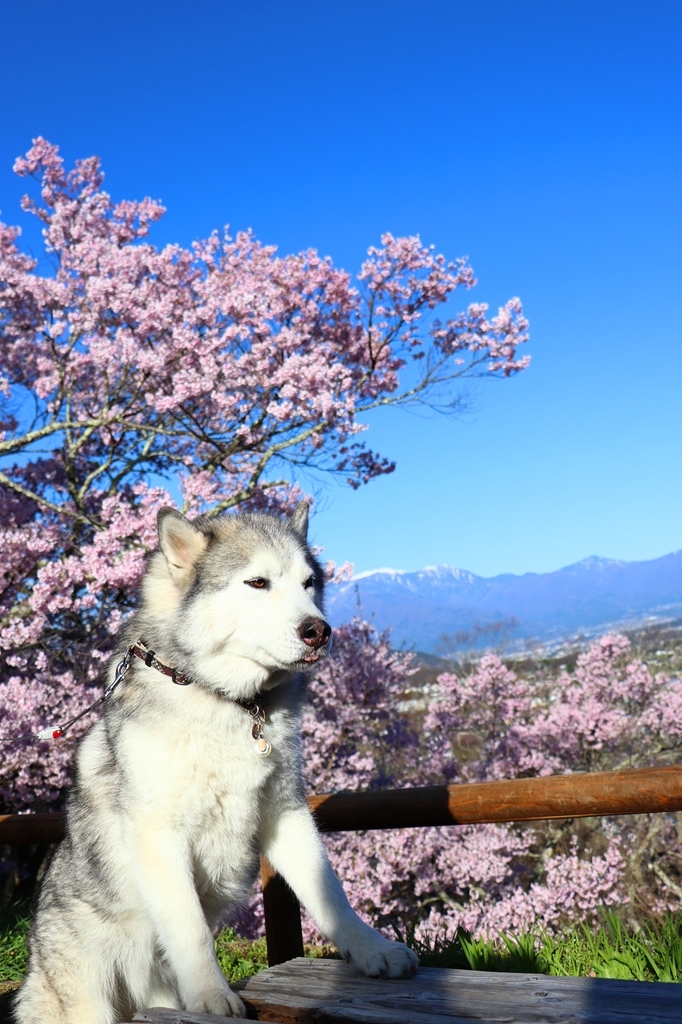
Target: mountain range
(592, 596)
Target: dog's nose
(315, 632)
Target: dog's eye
(310, 582)
(258, 583)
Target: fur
(172, 802)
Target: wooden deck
(329, 992)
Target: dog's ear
(181, 543)
(299, 520)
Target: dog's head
(238, 598)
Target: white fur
(172, 801)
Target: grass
(13, 949)
(650, 953)
(240, 958)
(653, 953)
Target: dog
(193, 768)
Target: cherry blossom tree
(489, 723)
(131, 375)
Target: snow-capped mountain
(597, 593)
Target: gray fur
(171, 801)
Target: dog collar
(255, 707)
(141, 651)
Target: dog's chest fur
(184, 762)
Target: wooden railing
(635, 791)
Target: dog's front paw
(378, 957)
(222, 1001)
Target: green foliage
(436, 951)
(240, 958)
(648, 952)
(514, 955)
(652, 952)
(509, 953)
(663, 948)
(13, 947)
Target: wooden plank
(159, 1015)
(636, 791)
(329, 992)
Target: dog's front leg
(166, 889)
(293, 846)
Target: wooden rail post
(282, 916)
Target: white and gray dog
(193, 767)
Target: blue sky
(543, 140)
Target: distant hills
(587, 598)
